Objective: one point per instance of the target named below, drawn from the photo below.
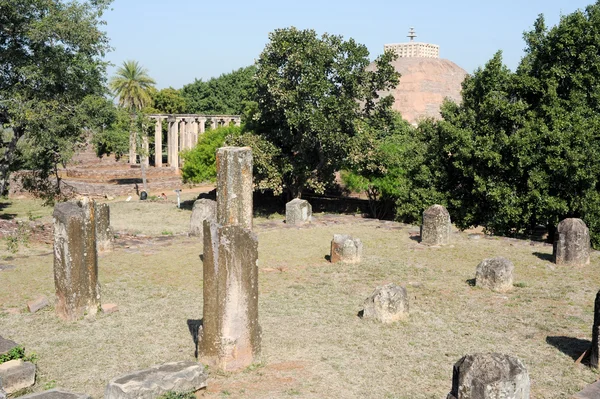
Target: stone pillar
(75, 259)
(158, 143)
(172, 123)
(174, 148)
(145, 158)
(202, 126)
(592, 355)
(132, 148)
(194, 133)
(436, 226)
(230, 336)
(238, 121)
(572, 243)
(234, 186)
(104, 233)
(213, 123)
(182, 137)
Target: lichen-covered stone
(572, 243)
(298, 211)
(16, 375)
(155, 381)
(204, 209)
(234, 186)
(56, 393)
(495, 274)
(105, 238)
(346, 249)
(436, 226)
(387, 304)
(489, 376)
(75, 260)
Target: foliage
(229, 94)
(177, 395)
(131, 84)
(51, 59)
(20, 237)
(312, 92)
(199, 163)
(166, 101)
(113, 136)
(18, 352)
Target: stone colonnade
(182, 134)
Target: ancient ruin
(591, 357)
(436, 226)
(387, 304)
(346, 249)
(105, 238)
(230, 336)
(298, 211)
(76, 259)
(489, 376)
(495, 274)
(204, 209)
(572, 243)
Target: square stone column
(145, 157)
(213, 123)
(158, 143)
(132, 148)
(182, 137)
(194, 133)
(76, 259)
(234, 186)
(202, 126)
(174, 145)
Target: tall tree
(51, 59)
(312, 91)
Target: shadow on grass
(471, 282)
(570, 346)
(544, 256)
(6, 216)
(327, 258)
(416, 238)
(194, 325)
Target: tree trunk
(7, 159)
(144, 176)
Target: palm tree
(131, 84)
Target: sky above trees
(182, 40)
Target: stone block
(56, 393)
(346, 249)
(75, 260)
(572, 243)
(105, 237)
(16, 375)
(495, 274)
(155, 381)
(387, 304)
(234, 186)
(489, 376)
(6, 345)
(37, 304)
(110, 308)
(231, 336)
(436, 226)
(204, 209)
(298, 211)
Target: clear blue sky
(182, 40)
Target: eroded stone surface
(75, 260)
(436, 226)
(298, 211)
(204, 209)
(592, 391)
(56, 393)
(387, 304)
(157, 380)
(16, 375)
(6, 345)
(572, 243)
(489, 376)
(495, 274)
(345, 248)
(105, 238)
(234, 186)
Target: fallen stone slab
(56, 393)
(6, 345)
(16, 375)
(150, 383)
(37, 304)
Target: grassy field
(314, 345)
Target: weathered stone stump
(298, 211)
(346, 249)
(181, 377)
(489, 376)
(436, 226)
(495, 274)
(204, 209)
(572, 243)
(230, 336)
(105, 238)
(387, 304)
(75, 260)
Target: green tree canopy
(312, 92)
(50, 61)
(167, 101)
(131, 84)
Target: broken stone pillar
(572, 243)
(387, 304)
(298, 211)
(436, 226)
(105, 237)
(592, 355)
(495, 274)
(75, 259)
(234, 186)
(204, 209)
(230, 335)
(345, 248)
(489, 376)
